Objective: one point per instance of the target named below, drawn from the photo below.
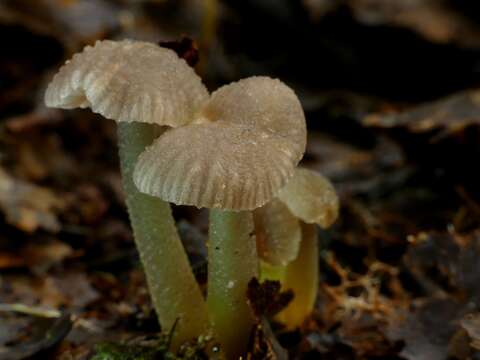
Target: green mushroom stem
(232, 264)
(175, 294)
(301, 275)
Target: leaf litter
(398, 270)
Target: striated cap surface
(278, 233)
(311, 197)
(129, 81)
(242, 149)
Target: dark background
(389, 88)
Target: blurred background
(390, 91)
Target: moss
(111, 351)
(152, 350)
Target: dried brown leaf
(449, 115)
(471, 323)
(266, 298)
(28, 206)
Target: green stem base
(175, 293)
(232, 264)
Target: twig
(30, 310)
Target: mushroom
(278, 233)
(287, 238)
(241, 149)
(141, 85)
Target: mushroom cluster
(287, 239)
(231, 151)
(240, 150)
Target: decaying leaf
(39, 117)
(264, 345)
(443, 265)
(266, 298)
(449, 115)
(446, 263)
(471, 323)
(38, 257)
(356, 170)
(431, 18)
(43, 335)
(366, 335)
(185, 48)
(28, 206)
(426, 329)
(72, 291)
(69, 20)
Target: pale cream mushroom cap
(278, 233)
(308, 197)
(265, 105)
(129, 81)
(311, 198)
(241, 151)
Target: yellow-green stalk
(175, 294)
(232, 262)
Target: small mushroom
(241, 149)
(311, 197)
(278, 233)
(129, 81)
(139, 84)
(308, 199)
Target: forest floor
(389, 90)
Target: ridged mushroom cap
(278, 233)
(241, 150)
(129, 81)
(311, 197)
(308, 197)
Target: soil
(390, 91)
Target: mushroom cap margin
(129, 81)
(278, 233)
(311, 197)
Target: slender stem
(232, 264)
(302, 277)
(173, 288)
